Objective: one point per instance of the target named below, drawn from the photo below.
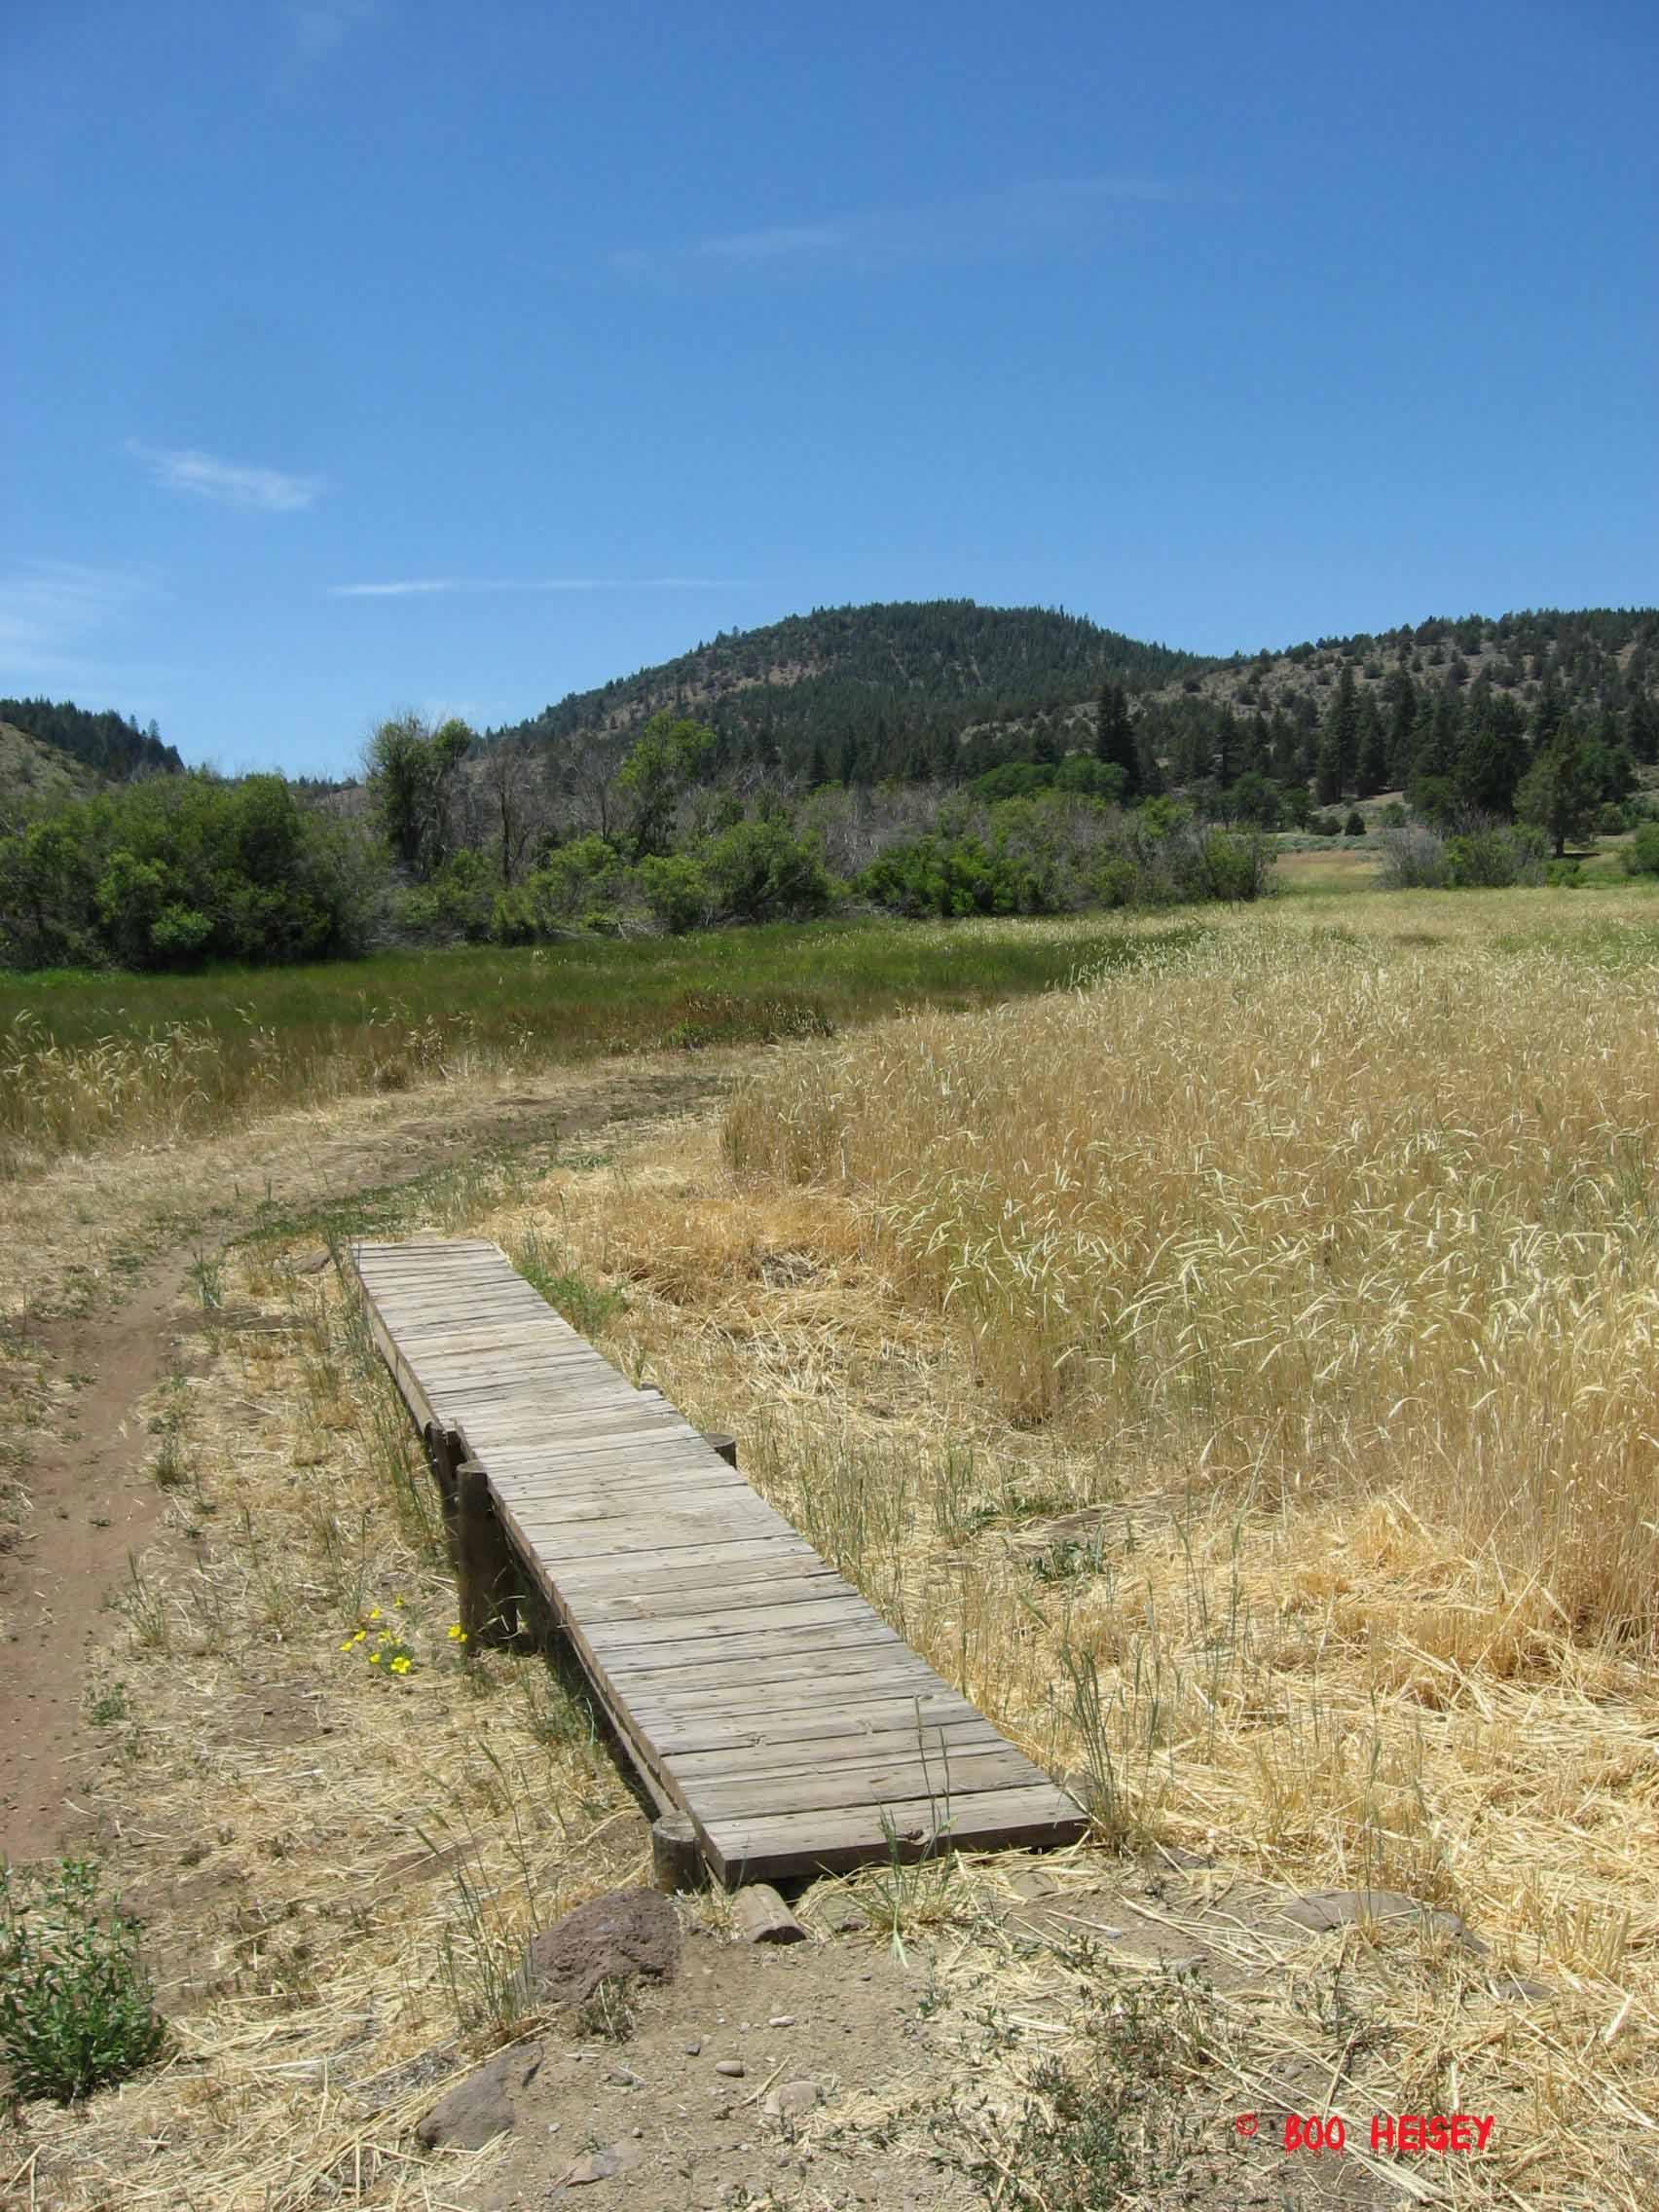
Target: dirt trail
(90, 1502)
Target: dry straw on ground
(1238, 1375)
(1235, 1375)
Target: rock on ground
(627, 1935)
(480, 2108)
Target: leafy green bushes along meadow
(179, 870)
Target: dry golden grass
(1233, 1376)
(1239, 1378)
(337, 1866)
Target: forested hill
(1461, 703)
(111, 745)
(866, 692)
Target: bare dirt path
(77, 1377)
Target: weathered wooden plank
(779, 1711)
(754, 1687)
(892, 1665)
(822, 1640)
(812, 1746)
(693, 1561)
(822, 1842)
(669, 1599)
(834, 1783)
(680, 1631)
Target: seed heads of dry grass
(1315, 1217)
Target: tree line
(1153, 778)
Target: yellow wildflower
(374, 1613)
(457, 1635)
(374, 1658)
(400, 1665)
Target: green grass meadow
(90, 1058)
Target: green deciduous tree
(412, 769)
(660, 767)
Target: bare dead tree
(511, 791)
(585, 768)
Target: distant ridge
(943, 687)
(111, 745)
(865, 692)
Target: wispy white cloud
(1012, 219)
(427, 587)
(231, 484)
(320, 25)
(51, 611)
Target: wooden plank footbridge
(756, 1692)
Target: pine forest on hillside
(937, 758)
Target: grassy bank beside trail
(90, 1059)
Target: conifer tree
(1337, 758)
(1371, 774)
(1226, 748)
(1561, 791)
(1492, 756)
(1400, 693)
(1115, 739)
(1641, 727)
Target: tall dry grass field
(1238, 1375)
(1295, 1221)
(1234, 1372)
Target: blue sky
(364, 353)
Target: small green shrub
(1642, 853)
(76, 2007)
(761, 872)
(1494, 857)
(935, 875)
(581, 879)
(676, 891)
(1355, 826)
(457, 900)
(1232, 865)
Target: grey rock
(792, 2100)
(1337, 1909)
(1523, 1987)
(732, 2068)
(693, 2046)
(480, 2108)
(602, 2164)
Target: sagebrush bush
(1496, 856)
(76, 2007)
(1413, 859)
